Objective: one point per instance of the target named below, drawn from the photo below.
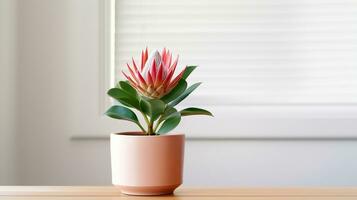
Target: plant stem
(150, 128)
(146, 118)
(157, 124)
(141, 127)
(147, 122)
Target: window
(274, 59)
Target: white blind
(250, 51)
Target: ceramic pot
(147, 165)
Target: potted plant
(148, 162)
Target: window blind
(249, 51)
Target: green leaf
(195, 111)
(123, 113)
(184, 94)
(145, 106)
(126, 102)
(188, 71)
(152, 107)
(170, 123)
(124, 97)
(127, 88)
(157, 108)
(168, 111)
(177, 91)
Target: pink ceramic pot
(147, 165)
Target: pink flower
(154, 78)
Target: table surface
(112, 193)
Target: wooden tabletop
(112, 193)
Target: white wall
(7, 90)
(58, 78)
(58, 89)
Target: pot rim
(140, 135)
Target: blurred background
(279, 75)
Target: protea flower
(154, 78)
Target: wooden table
(112, 193)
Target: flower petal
(173, 66)
(132, 73)
(135, 68)
(170, 74)
(168, 60)
(153, 73)
(142, 80)
(146, 55)
(163, 55)
(150, 79)
(176, 80)
(129, 79)
(159, 76)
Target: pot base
(148, 190)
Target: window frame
(246, 120)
